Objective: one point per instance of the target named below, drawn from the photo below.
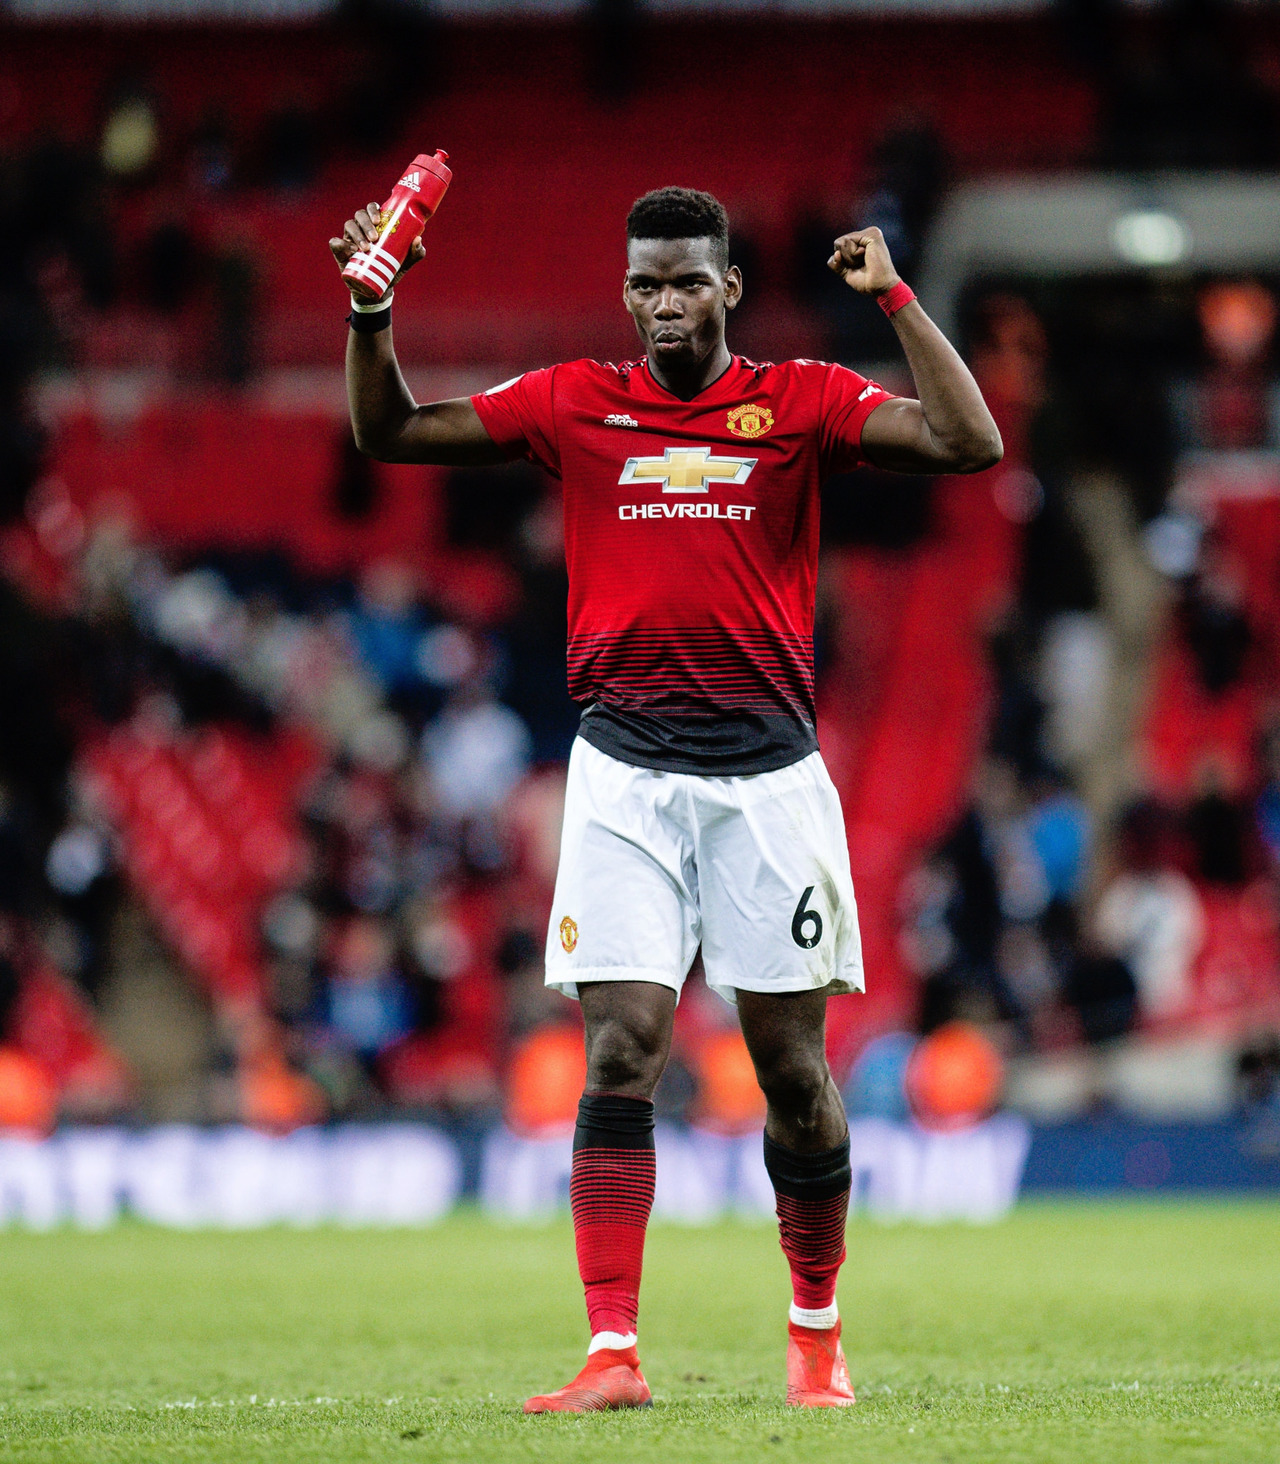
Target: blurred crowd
(129, 214)
(1124, 812)
(398, 945)
(1116, 868)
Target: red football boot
(611, 1379)
(816, 1373)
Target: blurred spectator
(390, 631)
(1095, 983)
(1150, 916)
(1258, 1075)
(535, 636)
(81, 867)
(906, 173)
(953, 1077)
(1010, 350)
(1076, 661)
(1102, 990)
(1017, 723)
(987, 872)
(1218, 827)
(1060, 833)
(1213, 620)
(1026, 968)
(476, 751)
(170, 263)
(1233, 396)
(367, 1003)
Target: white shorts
(753, 868)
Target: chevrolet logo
(687, 469)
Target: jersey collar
(709, 391)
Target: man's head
(679, 282)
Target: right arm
(388, 424)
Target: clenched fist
(861, 259)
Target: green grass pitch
(1127, 1333)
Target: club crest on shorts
(568, 935)
(750, 420)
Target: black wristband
(369, 322)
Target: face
(677, 295)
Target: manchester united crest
(750, 420)
(568, 934)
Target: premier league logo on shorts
(568, 935)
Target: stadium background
(282, 747)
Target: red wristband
(893, 300)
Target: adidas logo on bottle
(412, 180)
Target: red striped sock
(611, 1194)
(812, 1192)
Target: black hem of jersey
(606, 735)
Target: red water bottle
(401, 220)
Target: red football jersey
(691, 534)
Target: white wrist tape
(370, 307)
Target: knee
(794, 1084)
(626, 1057)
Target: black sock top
(609, 1121)
(819, 1176)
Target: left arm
(949, 430)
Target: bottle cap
(434, 163)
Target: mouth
(669, 339)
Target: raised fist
(861, 259)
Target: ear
(732, 287)
(626, 299)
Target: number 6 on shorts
(806, 938)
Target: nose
(668, 307)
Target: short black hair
(681, 213)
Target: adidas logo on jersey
(412, 180)
(869, 390)
(620, 419)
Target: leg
(786, 1036)
(623, 931)
(806, 1150)
(628, 1035)
(628, 1028)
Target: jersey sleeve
(847, 401)
(520, 417)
